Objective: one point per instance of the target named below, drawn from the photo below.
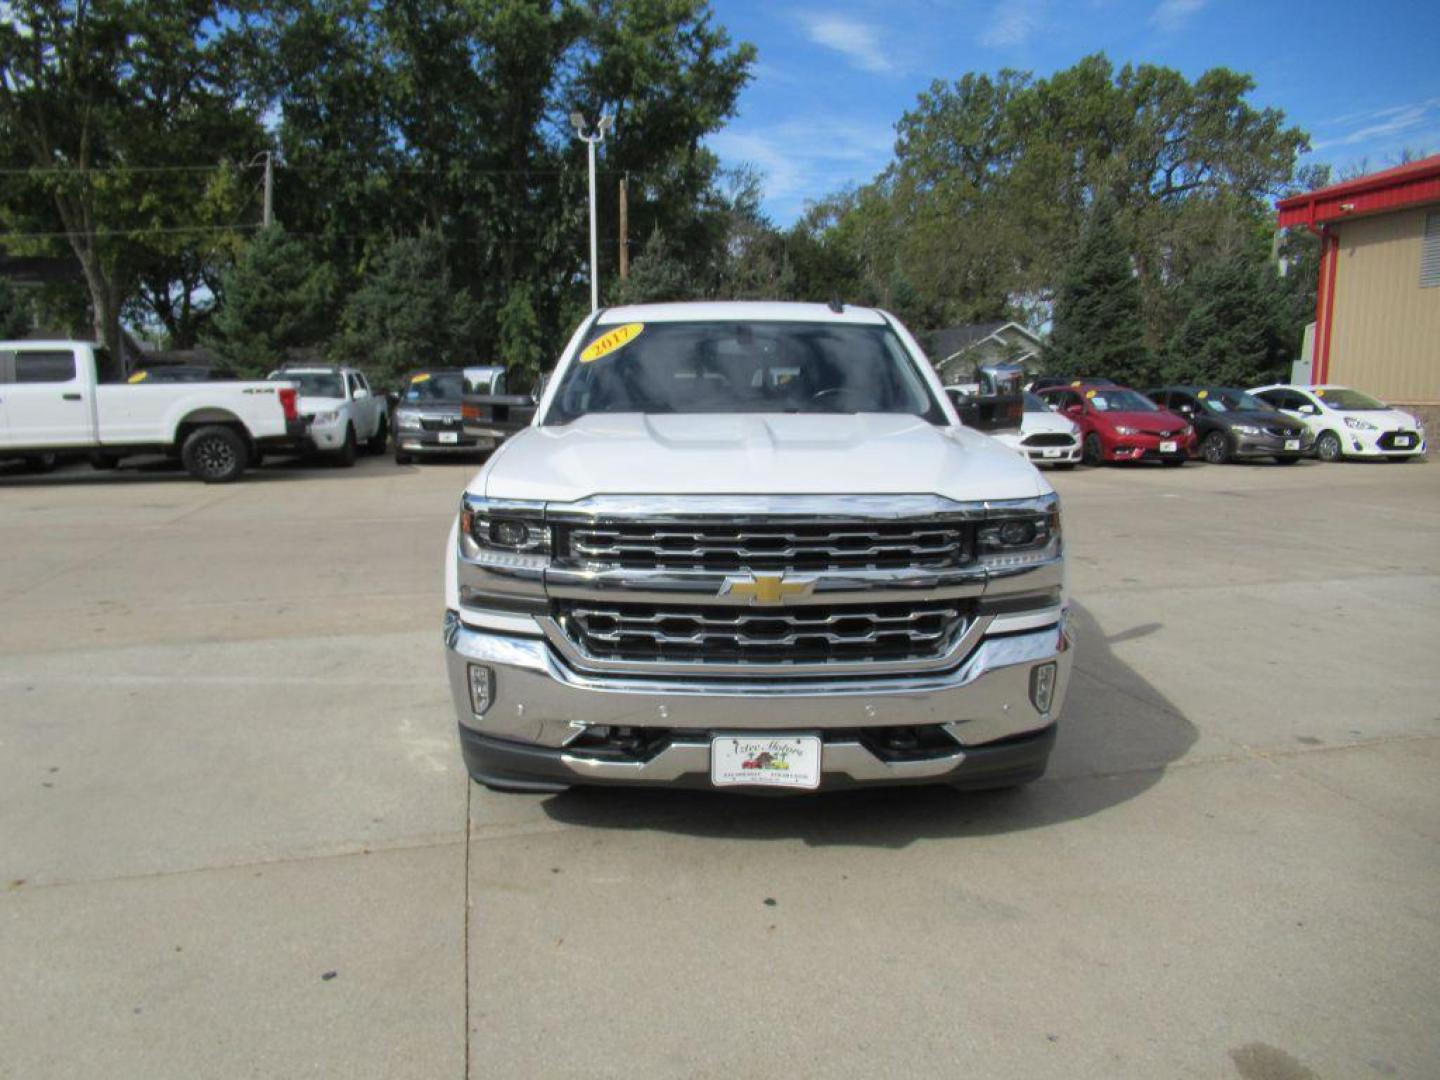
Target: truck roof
(750, 310)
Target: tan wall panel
(1386, 337)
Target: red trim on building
(1325, 321)
(1393, 189)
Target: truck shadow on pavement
(160, 470)
(1117, 735)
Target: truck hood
(309, 406)
(754, 454)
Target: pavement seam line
(465, 922)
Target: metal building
(1377, 311)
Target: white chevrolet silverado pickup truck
(58, 396)
(752, 545)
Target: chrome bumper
(540, 702)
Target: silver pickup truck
(752, 545)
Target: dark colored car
(1120, 424)
(1232, 425)
(427, 412)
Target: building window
(1430, 251)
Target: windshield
(1348, 400)
(1224, 399)
(1120, 401)
(435, 386)
(1034, 404)
(734, 366)
(313, 383)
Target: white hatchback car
(1347, 423)
(1045, 437)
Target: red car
(1120, 424)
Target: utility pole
(269, 218)
(624, 230)
(577, 121)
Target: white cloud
(806, 159)
(1380, 125)
(1171, 15)
(1011, 23)
(859, 42)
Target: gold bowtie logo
(767, 589)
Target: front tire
(1092, 453)
(1328, 448)
(376, 442)
(349, 450)
(214, 454)
(1216, 448)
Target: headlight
(408, 420)
(1186, 431)
(1121, 429)
(1020, 534)
(1245, 429)
(498, 533)
(327, 417)
(1355, 424)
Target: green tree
(657, 275)
(98, 97)
(16, 315)
(1236, 325)
(277, 298)
(407, 312)
(521, 346)
(1098, 325)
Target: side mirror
(361, 393)
(1308, 410)
(998, 407)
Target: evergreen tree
(1099, 327)
(407, 313)
(521, 350)
(276, 298)
(1235, 328)
(657, 275)
(15, 314)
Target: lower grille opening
(911, 742)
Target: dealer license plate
(1402, 440)
(1053, 453)
(791, 761)
(451, 437)
(1292, 444)
(1167, 447)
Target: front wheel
(1092, 453)
(376, 442)
(1216, 448)
(1327, 447)
(349, 450)
(214, 454)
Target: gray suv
(427, 415)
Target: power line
(109, 170)
(149, 231)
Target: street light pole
(591, 140)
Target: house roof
(1407, 185)
(953, 340)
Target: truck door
(48, 401)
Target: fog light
(482, 688)
(1042, 686)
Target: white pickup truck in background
(64, 396)
(340, 411)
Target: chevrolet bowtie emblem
(767, 589)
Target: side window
(45, 366)
(1279, 398)
(363, 383)
(107, 368)
(499, 384)
(6, 360)
(1185, 401)
(354, 384)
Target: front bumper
(538, 731)
(429, 442)
(1381, 444)
(1266, 445)
(1147, 448)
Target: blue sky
(831, 79)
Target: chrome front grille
(769, 546)
(712, 634)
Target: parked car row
(1096, 421)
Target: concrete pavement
(236, 838)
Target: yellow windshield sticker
(139, 376)
(1089, 394)
(608, 343)
(419, 378)
(1075, 383)
(1204, 394)
(1319, 392)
